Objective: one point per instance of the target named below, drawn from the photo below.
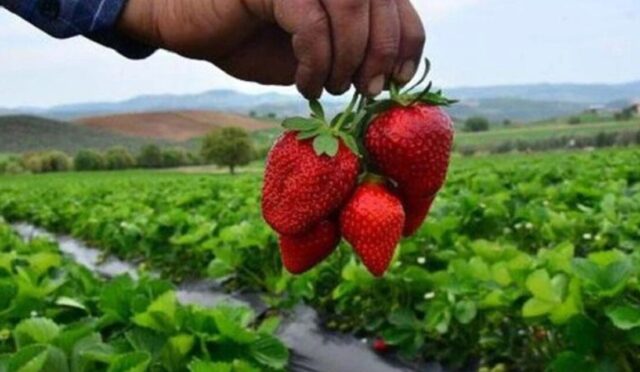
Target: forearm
(94, 19)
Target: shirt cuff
(95, 19)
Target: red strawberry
(302, 188)
(416, 210)
(372, 223)
(380, 346)
(412, 145)
(302, 252)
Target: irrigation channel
(312, 348)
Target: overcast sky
(471, 43)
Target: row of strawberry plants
(56, 316)
(523, 261)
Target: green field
(544, 130)
(526, 260)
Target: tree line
(228, 147)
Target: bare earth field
(176, 126)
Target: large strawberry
(302, 252)
(301, 188)
(372, 222)
(410, 141)
(416, 211)
(412, 145)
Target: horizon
(41, 71)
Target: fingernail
(407, 71)
(376, 85)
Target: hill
(577, 93)
(176, 126)
(21, 133)
(530, 102)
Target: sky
(470, 43)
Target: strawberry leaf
(326, 144)
(350, 142)
(316, 109)
(301, 124)
(303, 135)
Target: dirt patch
(176, 126)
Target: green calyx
(407, 97)
(326, 135)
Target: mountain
(176, 126)
(30, 133)
(577, 93)
(516, 102)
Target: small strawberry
(301, 188)
(416, 211)
(372, 223)
(380, 346)
(301, 253)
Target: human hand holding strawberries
(315, 44)
(400, 147)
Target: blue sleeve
(94, 19)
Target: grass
(544, 130)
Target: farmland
(525, 261)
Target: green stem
(349, 110)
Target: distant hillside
(172, 126)
(498, 109)
(578, 93)
(30, 133)
(517, 102)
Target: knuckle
(385, 49)
(317, 22)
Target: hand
(315, 44)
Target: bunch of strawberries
(370, 176)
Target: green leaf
(624, 316)
(208, 366)
(540, 285)
(229, 326)
(326, 144)
(316, 109)
(35, 331)
(310, 133)
(269, 351)
(30, 359)
(350, 142)
(270, 325)
(160, 315)
(301, 124)
(218, 269)
(70, 302)
(536, 307)
(131, 362)
(569, 361)
(465, 311)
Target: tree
(476, 124)
(119, 158)
(230, 147)
(175, 157)
(89, 160)
(150, 157)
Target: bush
(58, 161)
(89, 160)
(476, 124)
(150, 157)
(11, 165)
(49, 161)
(230, 147)
(574, 120)
(119, 158)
